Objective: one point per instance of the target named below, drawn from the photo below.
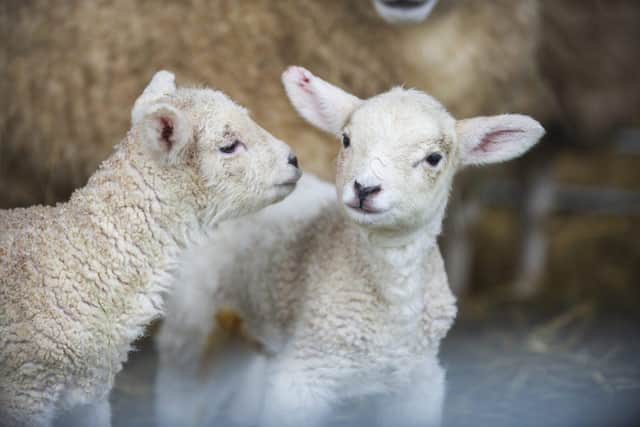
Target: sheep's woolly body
(325, 280)
(59, 117)
(540, 57)
(314, 278)
(79, 281)
(347, 298)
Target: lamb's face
(243, 166)
(230, 164)
(399, 154)
(401, 149)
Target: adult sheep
(565, 62)
(581, 53)
(64, 69)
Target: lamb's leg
(21, 419)
(295, 395)
(181, 396)
(199, 385)
(247, 403)
(97, 414)
(419, 405)
(28, 405)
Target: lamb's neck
(403, 254)
(145, 229)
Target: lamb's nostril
(371, 190)
(292, 160)
(364, 192)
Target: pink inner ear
(304, 84)
(167, 132)
(493, 137)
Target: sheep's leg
(420, 404)
(182, 397)
(218, 384)
(182, 394)
(536, 209)
(26, 406)
(295, 396)
(9, 419)
(96, 414)
(247, 404)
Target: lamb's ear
(320, 103)
(162, 83)
(496, 138)
(166, 131)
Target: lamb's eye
(433, 159)
(231, 148)
(346, 141)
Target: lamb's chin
(367, 218)
(279, 191)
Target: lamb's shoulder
(14, 222)
(42, 343)
(50, 307)
(23, 232)
(43, 255)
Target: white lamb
(335, 302)
(79, 281)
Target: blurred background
(544, 253)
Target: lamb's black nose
(364, 192)
(292, 160)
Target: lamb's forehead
(208, 103)
(402, 111)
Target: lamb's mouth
(364, 209)
(284, 188)
(291, 182)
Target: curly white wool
(79, 281)
(346, 300)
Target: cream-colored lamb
(336, 302)
(79, 281)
